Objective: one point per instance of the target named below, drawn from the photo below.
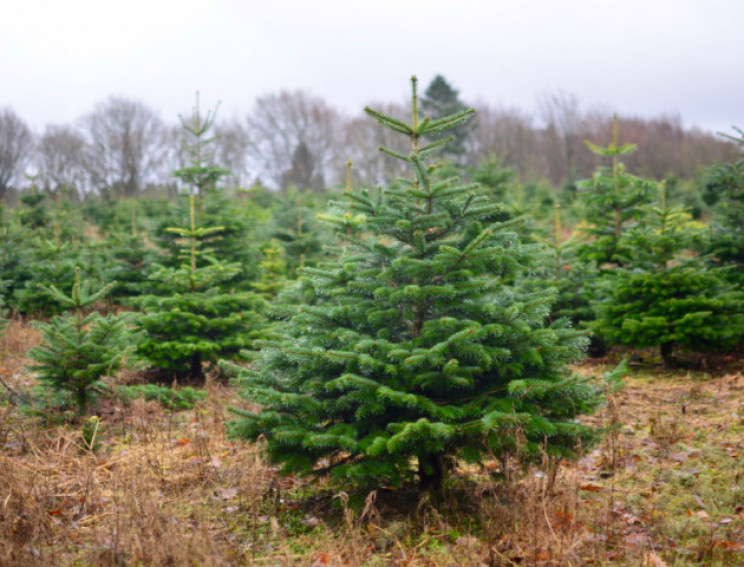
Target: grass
(145, 486)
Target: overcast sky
(59, 58)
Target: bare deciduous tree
(126, 146)
(507, 133)
(280, 124)
(563, 120)
(16, 145)
(60, 156)
(231, 149)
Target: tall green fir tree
(666, 297)
(415, 352)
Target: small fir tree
(725, 188)
(132, 262)
(665, 297)
(47, 260)
(78, 350)
(273, 271)
(193, 321)
(611, 201)
(294, 225)
(214, 207)
(415, 353)
(566, 273)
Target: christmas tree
(725, 188)
(413, 352)
(78, 350)
(665, 297)
(214, 207)
(611, 202)
(192, 320)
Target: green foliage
(214, 208)
(272, 269)
(192, 320)
(724, 186)
(665, 297)
(611, 202)
(493, 177)
(79, 350)
(178, 399)
(294, 225)
(412, 350)
(565, 273)
(44, 261)
(132, 262)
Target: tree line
(295, 139)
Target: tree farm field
(439, 358)
(149, 486)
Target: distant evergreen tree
(15, 247)
(411, 351)
(564, 272)
(78, 350)
(665, 297)
(132, 262)
(491, 174)
(46, 260)
(273, 271)
(440, 100)
(294, 225)
(304, 172)
(725, 188)
(611, 202)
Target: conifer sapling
(78, 350)
(414, 351)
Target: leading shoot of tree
(415, 351)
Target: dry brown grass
(158, 488)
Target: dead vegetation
(138, 485)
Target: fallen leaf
(591, 487)
(227, 493)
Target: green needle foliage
(214, 207)
(666, 298)
(611, 202)
(196, 316)
(725, 188)
(414, 352)
(78, 350)
(193, 321)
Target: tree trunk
(431, 473)
(196, 373)
(666, 353)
